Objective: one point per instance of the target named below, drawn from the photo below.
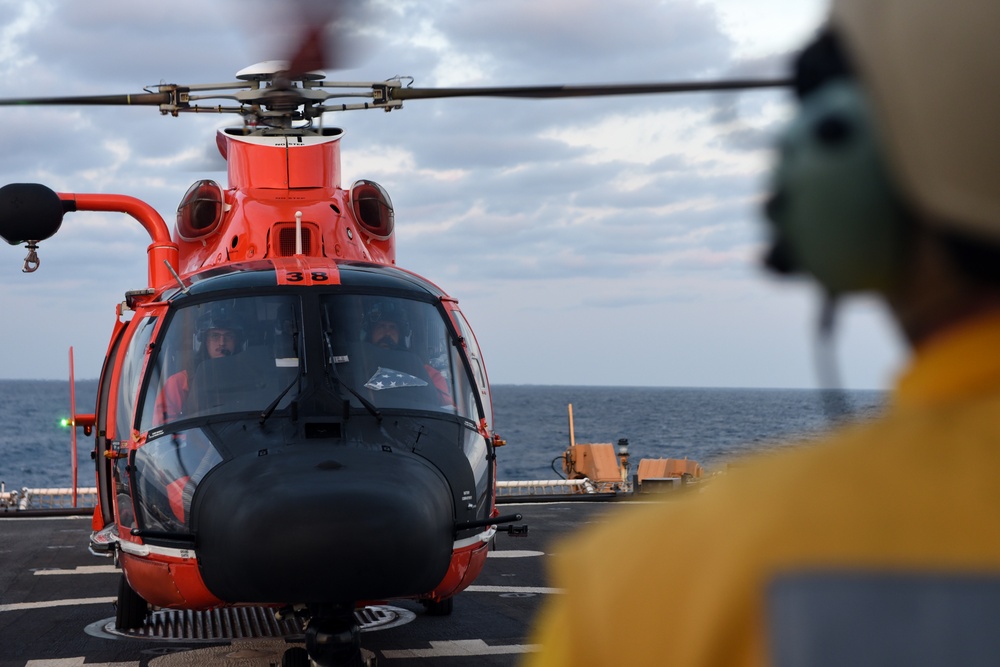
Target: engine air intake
(283, 240)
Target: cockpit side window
(393, 352)
(230, 355)
(478, 365)
(128, 386)
(131, 373)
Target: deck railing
(545, 487)
(62, 498)
(50, 498)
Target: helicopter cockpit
(231, 355)
(219, 367)
(249, 354)
(389, 352)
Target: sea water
(711, 426)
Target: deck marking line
(514, 553)
(20, 606)
(459, 648)
(543, 590)
(77, 662)
(81, 569)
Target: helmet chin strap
(833, 395)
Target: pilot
(387, 325)
(878, 545)
(220, 336)
(221, 342)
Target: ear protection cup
(834, 211)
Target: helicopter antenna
(298, 232)
(176, 277)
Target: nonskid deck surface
(56, 606)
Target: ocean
(710, 426)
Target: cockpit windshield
(390, 352)
(231, 355)
(248, 354)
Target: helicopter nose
(323, 524)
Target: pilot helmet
(220, 317)
(386, 310)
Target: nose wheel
(333, 639)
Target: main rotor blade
(600, 90)
(140, 99)
(322, 34)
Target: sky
(606, 241)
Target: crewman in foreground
(881, 544)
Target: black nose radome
(323, 524)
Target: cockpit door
(103, 439)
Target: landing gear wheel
(131, 609)
(440, 607)
(335, 641)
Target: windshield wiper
(364, 401)
(274, 404)
(298, 376)
(331, 370)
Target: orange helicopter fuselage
(286, 219)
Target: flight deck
(56, 605)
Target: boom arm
(161, 250)
(30, 213)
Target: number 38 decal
(305, 277)
(314, 276)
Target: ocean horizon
(709, 425)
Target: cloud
(592, 39)
(617, 210)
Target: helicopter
(285, 417)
